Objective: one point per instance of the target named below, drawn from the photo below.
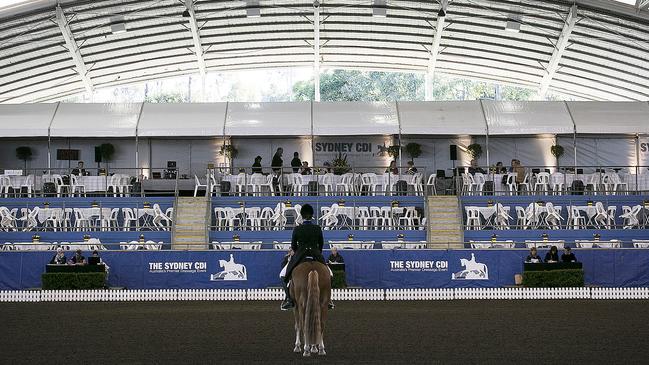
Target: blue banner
(364, 268)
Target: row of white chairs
(341, 245)
(549, 216)
(72, 219)
(348, 184)
(546, 183)
(331, 217)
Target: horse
(311, 290)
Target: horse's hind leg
(298, 347)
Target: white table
(490, 244)
(135, 245)
(487, 212)
(602, 244)
(352, 244)
(19, 246)
(93, 183)
(641, 243)
(545, 244)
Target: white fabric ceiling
(268, 119)
(610, 118)
(182, 120)
(26, 120)
(511, 117)
(95, 120)
(441, 118)
(606, 58)
(355, 118)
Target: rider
(307, 242)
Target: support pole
(484, 115)
(574, 134)
(316, 49)
(137, 143)
(49, 138)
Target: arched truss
(598, 49)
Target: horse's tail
(312, 312)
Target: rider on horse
(307, 243)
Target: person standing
(296, 163)
(276, 165)
(256, 166)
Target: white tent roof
(524, 117)
(441, 117)
(268, 119)
(196, 119)
(355, 118)
(610, 117)
(606, 59)
(96, 120)
(25, 120)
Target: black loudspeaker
(453, 152)
(97, 154)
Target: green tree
(165, 97)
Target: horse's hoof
(297, 349)
(322, 353)
(314, 349)
(306, 354)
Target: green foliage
(414, 150)
(229, 151)
(557, 151)
(554, 278)
(107, 151)
(24, 153)
(352, 85)
(70, 281)
(165, 97)
(474, 150)
(394, 151)
(340, 165)
(338, 280)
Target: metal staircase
(444, 222)
(189, 231)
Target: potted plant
(413, 150)
(557, 151)
(474, 150)
(229, 151)
(340, 164)
(107, 151)
(393, 151)
(24, 153)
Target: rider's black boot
(288, 302)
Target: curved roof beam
(559, 48)
(434, 51)
(73, 48)
(196, 37)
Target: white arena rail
(274, 294)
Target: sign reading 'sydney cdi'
(419, 265)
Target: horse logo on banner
(231, 271)
(472, 270)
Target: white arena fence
(337, 294)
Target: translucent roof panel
(196, 119)
(25, 120)
(96, 120)
(610, 117)
(355, 118)
(442, 118)
(268, 119)
(525, 117)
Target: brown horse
(311, 290)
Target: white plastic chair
(478, 183)
(129, 217)
(345, 187)
(430, 184)
(417, 183)
(240, 184)
(601, 217)
(557, 182)
(60, 186)
(472, 218)
(76, 187)
(630, 216)
(220, 219)
(521, 218)
(327, 183)
(81, 223)
(28, 184)
(577, 221)
(553, 218)
(510, 181)
(198, 185)
(542, 184)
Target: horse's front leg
(298, 333)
